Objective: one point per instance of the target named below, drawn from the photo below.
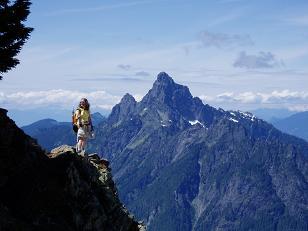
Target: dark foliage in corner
(13, 32)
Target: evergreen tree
(13, 33)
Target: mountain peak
(164, 78)
(165, 89)
(128, 98)
(123, 109)
(174, 99)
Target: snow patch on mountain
(194, 122)
(163, 124)
(248, 115)
(234, 120)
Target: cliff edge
(55, 191)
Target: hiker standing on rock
(84, 124)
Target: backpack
(75, 120)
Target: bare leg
(79, 144)
(84, 143)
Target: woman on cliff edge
(84, 123)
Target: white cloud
(66, 99)
(293, 100)
(261, 60)
(56, 98)
(125, 67)
(105, 106)
(297, 108)
(138, 97)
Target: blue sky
(233, 54)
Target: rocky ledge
(60, 190)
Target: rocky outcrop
(56, 191)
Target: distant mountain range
(271, 114)
(50, 133)
(24, 116)
(183, 165)
(287, 121)
(296, 125)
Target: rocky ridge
(58, 191)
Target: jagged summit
(174, 102)
(164, 78)
(164, 84)
(166, 91)
(165, 102)
(127, 99)
(123, 109)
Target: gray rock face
(182, 165)
(59, 191)
(123, 109)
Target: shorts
(83, 132)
